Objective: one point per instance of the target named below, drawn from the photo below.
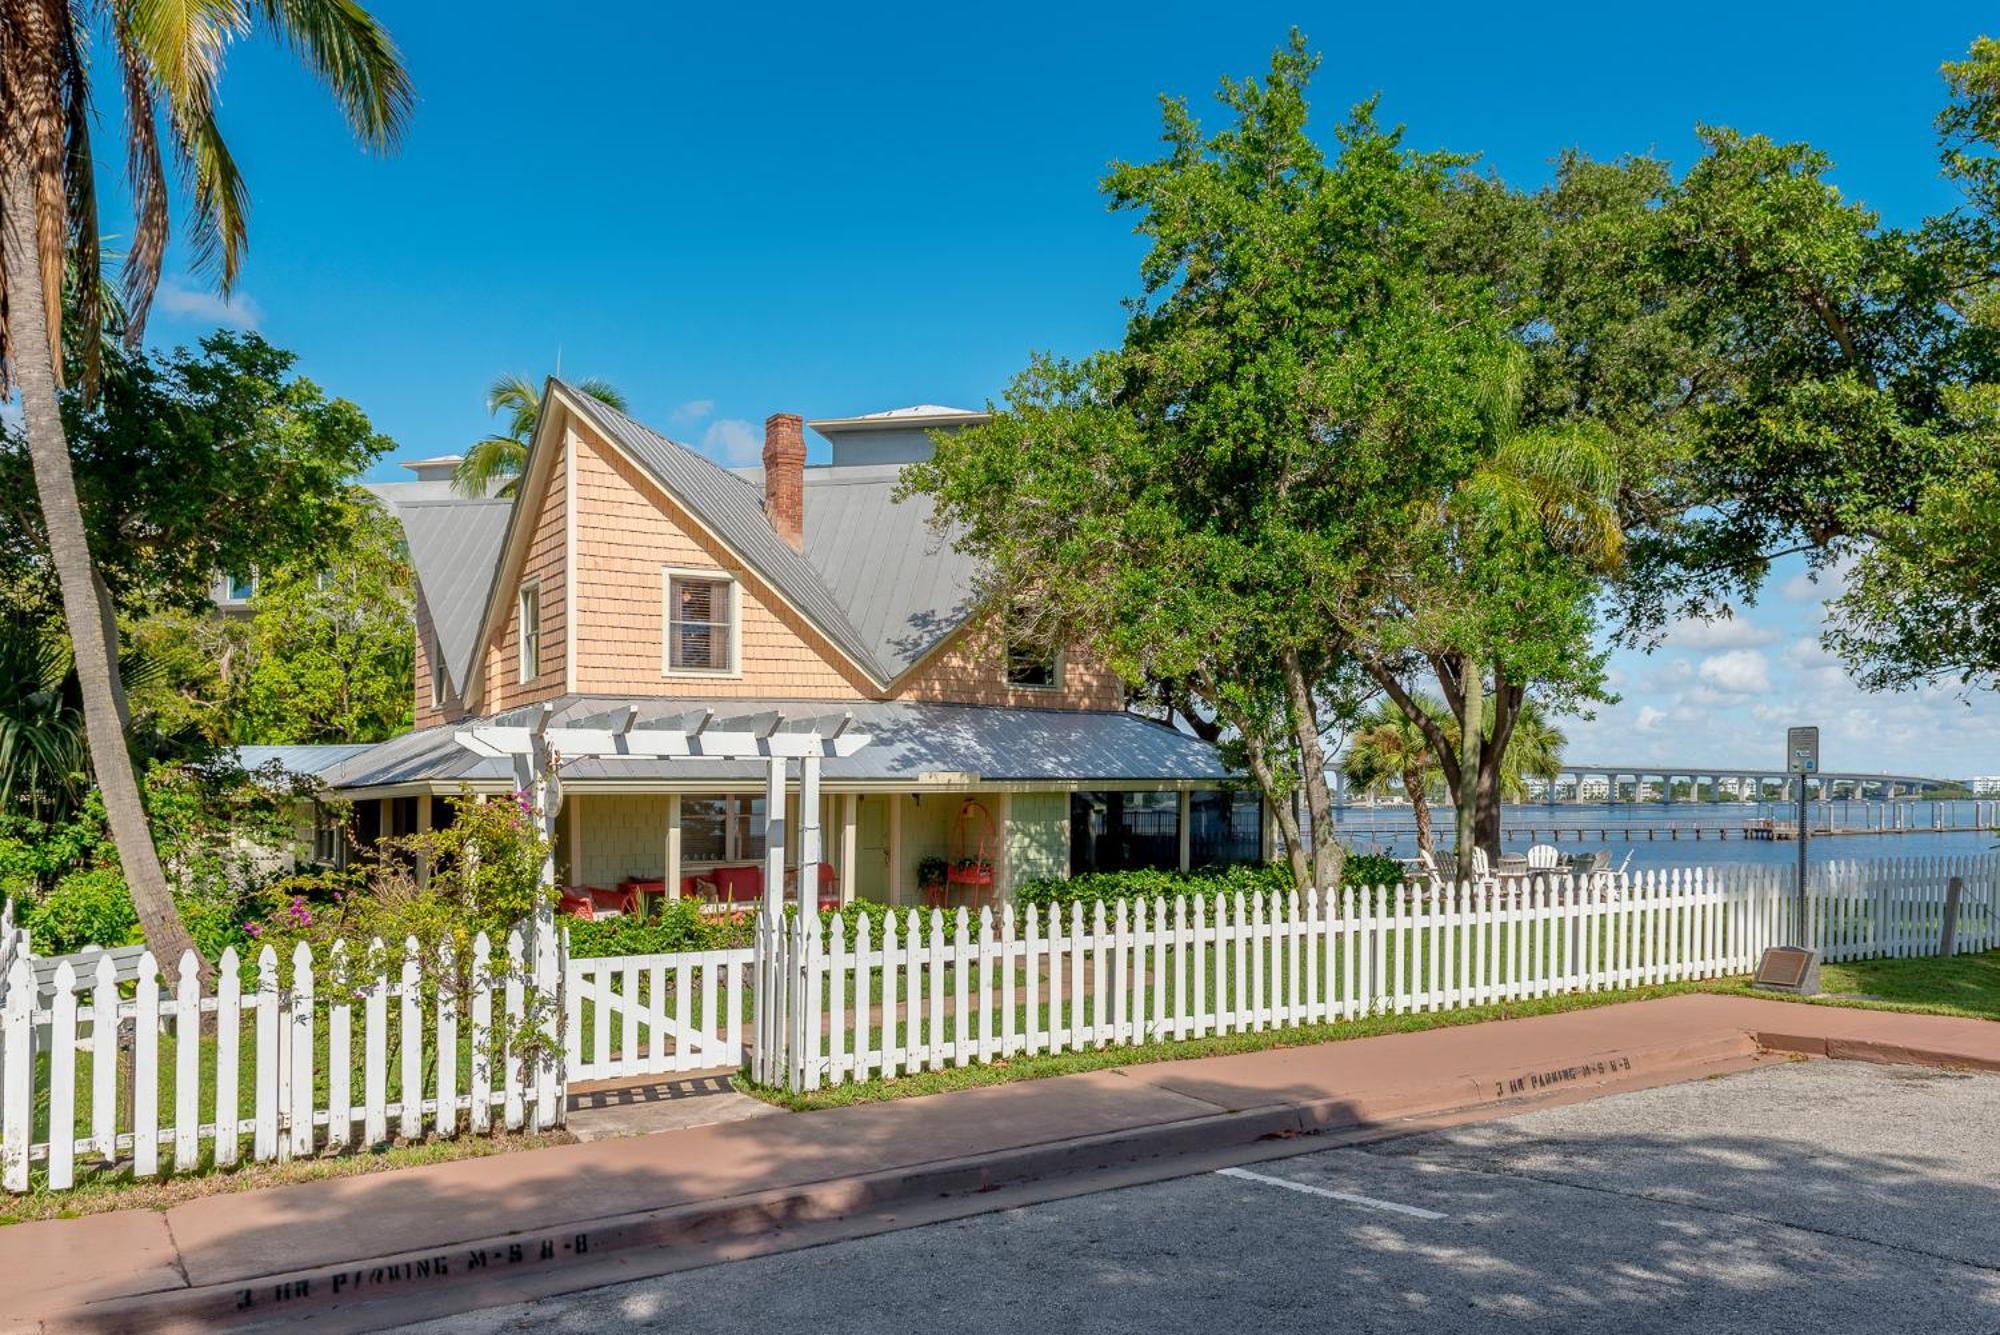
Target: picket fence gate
(268, 1047)
(628, 1015)
(938, 990)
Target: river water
(1642, 829)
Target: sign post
(1802, 760)
(1795, 968)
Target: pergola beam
(640, 743)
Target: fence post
(17, 1066)
(1953, 891)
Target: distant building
(1985, 785)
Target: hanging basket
(973, 836)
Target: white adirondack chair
(1544, 857)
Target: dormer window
(702, 623)
(1030, 665)
(531, 631)
(1036, 669)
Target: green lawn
(1966, 986)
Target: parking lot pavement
(1822, 1196)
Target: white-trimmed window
(703, 629)
(531, 630)
(436, 655)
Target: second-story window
(531, 631)
(701, 622)
(1028, 663)
(436, 656)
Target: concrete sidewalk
(282, 1252)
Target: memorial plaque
(1788, 969)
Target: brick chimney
(785, 476)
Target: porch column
(1267, 840)
(576, 841)
(673, 873)
(1003, 877)
(424, 827)
(850, 844)
(895, 848)
(809, 850)
(774, 840)
(1187, 834)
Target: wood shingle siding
(628, 532)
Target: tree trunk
(93, 630)
(1275, 801)
(1492, 756)
(1471, 723)
(1329, 859)
(1420, 808)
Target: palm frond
(146, 173)
(221, 224)
(604, 392)
(82, 271)
(354, 56)
(181, 45)
(487, 463)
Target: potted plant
(932, 872)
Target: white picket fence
(106, 1064)
(178, 1074)
(933, 991)
(631, 1015)
(13, 945)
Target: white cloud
(1735, 632)
(1737, 672)
(238, 310)
(694, 410)
(733, 442)
(1650, 719)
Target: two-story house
(631, 570)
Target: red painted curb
(585, 1253)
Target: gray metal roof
(455, 548)
(904, 586)
(314, 759)
(734, 508)
(909, 739)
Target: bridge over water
(1650, 781)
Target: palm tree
(1388, 745)
(168, 62)
(42, 759)
(1534, 751)
(503, 456)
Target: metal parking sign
(1802, 750)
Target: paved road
(1822, 1196)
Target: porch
(970, 846)
(947, 804)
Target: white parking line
(1415, 1212)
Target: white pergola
(539, 750)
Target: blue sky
(833, 209)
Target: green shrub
(679, 925)
(1369, 870)
(86, 908)
(1108, 887)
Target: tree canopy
(1205, 503)
(194, 463)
